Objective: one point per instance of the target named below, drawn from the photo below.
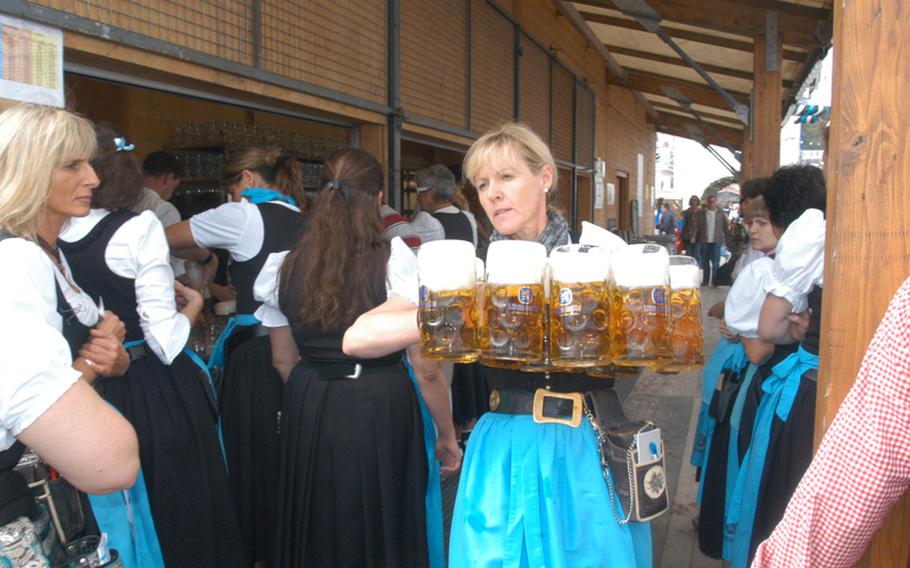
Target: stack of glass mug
(581, 310)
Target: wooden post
(868, 243)
(373, 139)
(745, 168)
(766, 101)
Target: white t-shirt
(401, 280)
(236, 227)
(35, 361)
(166, 213)
(138, 250)
(709, 217)
(427, 228)
(743, 304)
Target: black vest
(86, 258)
(455, 225)
(281, 227)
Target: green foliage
(716, 186)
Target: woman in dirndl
(341, 307)
(264, 216)
(123, 258)
(52, 346)
(533, 494)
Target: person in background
(396, 225)
(710, 235)
(667, 220)
(266, 215)
(123, 257)
(435, 193)
(50, 354)
(852, 483)
(161, 175)
(340, 308)
(690, 228)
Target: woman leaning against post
(354, 468)
(49, 352)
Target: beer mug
(639, 308)
(448, 315)
(514, 303)
(686, 335)
(579, 306)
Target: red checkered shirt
(863, 464)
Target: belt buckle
(358, 368)
(540, 396)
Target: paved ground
(672, 403)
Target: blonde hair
(502, 145)
(35, 141)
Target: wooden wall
(868, 248)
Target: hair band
(121, 145)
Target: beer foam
(448, 264)
(516, 262)
(685, 277)
(641, 266)
(579, 263)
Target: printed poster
(31, 62)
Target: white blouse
(742, 307)
(401, 280)
(35, 360)
(800, 261)
(236, 227)
(138, 250)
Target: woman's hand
(187, 297)
(112, 325)
(449, 455)
(104, 354)
(799, 324)
(727, 334)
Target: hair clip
(121, 145)
(332, 184)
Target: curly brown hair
(336, 271)
(118, 171)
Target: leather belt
(138, 351)
(350, 371)
(546, 406)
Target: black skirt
(353, 473)
(182, 462)
(251, 391)
(470, 393)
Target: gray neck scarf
(555, 234)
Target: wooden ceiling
(718, 35)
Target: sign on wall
(598, 192)
(611, 194)
(31, 62)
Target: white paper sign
(598, 192)
(31, 62)
(611, 194)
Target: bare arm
(757, 351)
(387, 328)
(86, 440)
(773, 325)
(180, 239)
(284, 351)
(435, 391)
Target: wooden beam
(683, 133)
(728, 17)
(577, 20)
(800, 10)
(697, 93)
(731, 137)
(867, 245)
(766, 110)
(715, 69)
(789, 54)
(727, 120)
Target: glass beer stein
(579, 306)
(514, 303)
(640, 308)
(448, 314)
(686, 333)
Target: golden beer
(579, 324)
(613, 372)
(640, 326)
(513, 322)
(686, 335)
(449, 325)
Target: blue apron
(779, 393)
(216, 359)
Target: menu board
(31, 62)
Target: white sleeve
(139, 250)
(800, 260)
(742, 307)
(265, 290)
(401, 272)
(596, 235)
(35, 360)
(168, 215)
(236, 227)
